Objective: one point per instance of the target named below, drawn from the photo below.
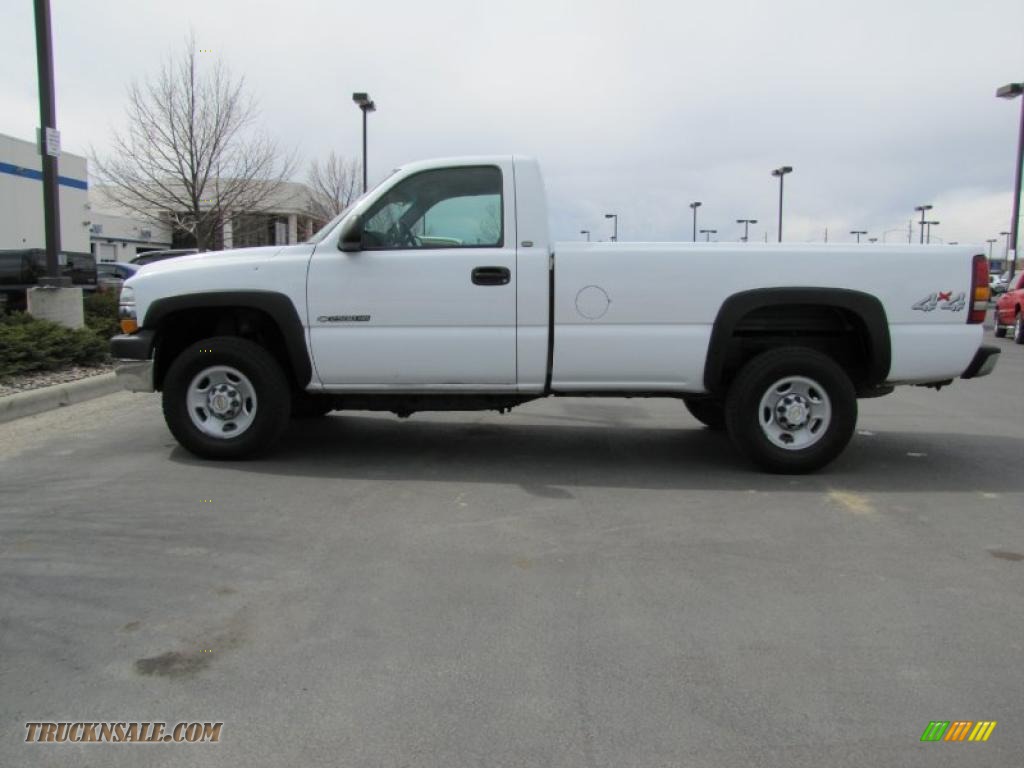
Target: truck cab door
(427, 301)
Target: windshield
(327, 228)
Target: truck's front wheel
(791, 410)
(226, 398)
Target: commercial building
(92, 223)
(282, 219)
(21, 198)
(121, 236)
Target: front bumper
(135, 375)
(134, 360)
(982, 364)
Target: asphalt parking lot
(578, 583)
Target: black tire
(1018, 328)
(306, 406)
(1000, 330)
(272, 402)
(756, 380)
(709, 412)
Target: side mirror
(351, 240)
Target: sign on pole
(51, 146)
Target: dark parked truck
(442, 290)
(21, 270)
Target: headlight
(126, 310)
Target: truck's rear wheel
(1000, 330)
(791, 410)
(226, 398)
(709, 412)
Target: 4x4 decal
(941, 300)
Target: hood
(236, 256)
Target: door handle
(491, 276)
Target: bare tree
(333, 185)
(191, 154)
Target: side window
(446, 208)
(383, 223)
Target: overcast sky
(632, 107)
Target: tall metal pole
(48, 122)
(923, 209)
(694, 206)
(364, 151)
(1015, 221)
(781, 173)
(366, 104)
(615, 224)
(781, 177)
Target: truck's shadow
(549, 460)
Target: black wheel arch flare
(278, 306)
(865, 306)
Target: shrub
(28, 344)
(101, 313)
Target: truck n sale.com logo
(958, 730)
(123, 733)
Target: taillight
(979, 290)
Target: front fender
(277, 305)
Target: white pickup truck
(441, 290)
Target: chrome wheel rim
(221, 402)
(795, 413)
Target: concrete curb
(35, 401)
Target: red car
(1009, 308)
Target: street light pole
(858, 233)
(49, 144)
(746, 227)
(928, 236)
(990, 241)
(366, 104)
(586, 232)
(922, 209)
(708, 233)
(615, 225)
(1012, 91)
(781, 173)
(1006, 251)
(695, 205)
